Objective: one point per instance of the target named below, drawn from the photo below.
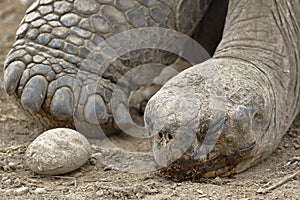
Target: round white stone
(57, 151)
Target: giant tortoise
(218, 117)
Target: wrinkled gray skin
(216, 118)
(232, 111)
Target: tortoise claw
(12, 76)
(34, 93)
(95, 110)
(62, 103)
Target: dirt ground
(95, 181)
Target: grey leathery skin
(229, 113)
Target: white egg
(57, 151)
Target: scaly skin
(49, 70)
(229, 113)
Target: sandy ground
(96, 181)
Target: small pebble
(218, 179)
(40, 191)
(295, 165)
(108, 168)
(200, 191)
(20, 167)
(93, 161)
(17, 181)
(8, 182)
(9, 191)
(99, 193)
(293, 134)
(12, 165)
(22, 190)
(65, 190)
(78, 174)
(153, 191)
(5, 168)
